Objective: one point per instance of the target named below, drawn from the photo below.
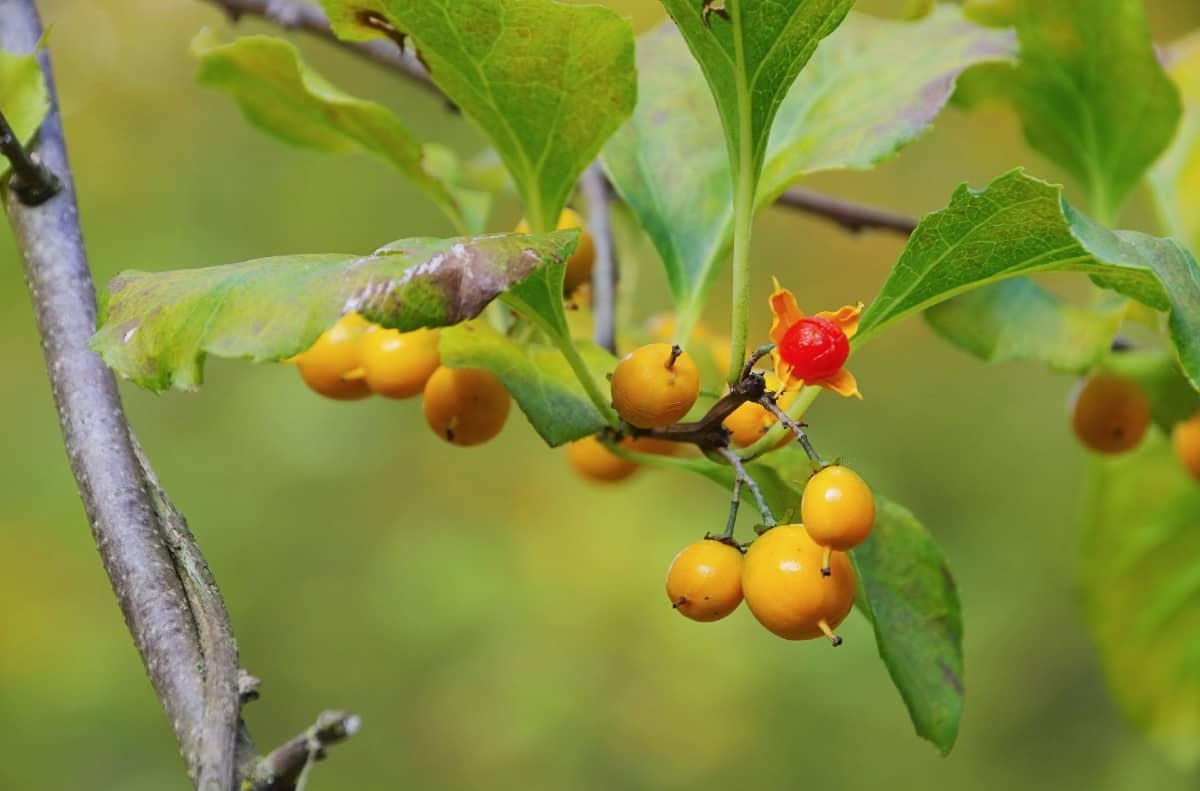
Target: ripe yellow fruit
(592, 459)
(837, 509)
(325, 365)
(1186, 439)
(1109, 414)
(655, 385)
(704, 581)
(786, 591)
(579, 265)
(398, 364)
(465, 406)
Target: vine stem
(743, 213)
(768, 403)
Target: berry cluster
(796, 579)
(355, 359)
(1111, 414)
(464, 406)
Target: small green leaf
(157, 328)
(548, 83)
(24, 99)
(538, 377)
(1092, 96)
(284, 97)
(1175, 178)
(906, 590)
(670, 165)
(1017, 320)
(1140, 572)
(1020, 225)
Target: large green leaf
(24, 99)
(1090, 92)
(538, 377)
(548, 83)
(1020, 225)
(284, 97)
(750, 57)
(1141, 590)
(873, 86)
(1016, 320)
(1175, 178)
(156, 328)
(906, 590)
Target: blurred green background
(496, 622)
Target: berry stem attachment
(825, 571)
(740, 470)
(833, 638)
(676, 350)
(768, 402)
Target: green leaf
(1140, 572)
(872, 87)
(24, 99)
(750, 58)
(548, 83)
(1017, 320)
(906, 590)
(1019, 225)
(1175, 178)
(157, 328)
(284, 97)
(538, 377)
(1091, 94)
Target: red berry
(815, 348)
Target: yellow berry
(465, 406)
(786, 590)
(398, 364)
(592, 459)
(1186, 439)
(324, 366)
(704, 581)
(1109, 414)
(655, 385)
(837, 509)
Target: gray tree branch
(162, 583)
(286, 767)
(598, 195)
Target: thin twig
(31, 181)
(755, 356)
(162, 584)
(311, 19)
(739, 470)
(287, 766)
(768, 402)
(598, 195)
(734, 505)
(853, 217)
